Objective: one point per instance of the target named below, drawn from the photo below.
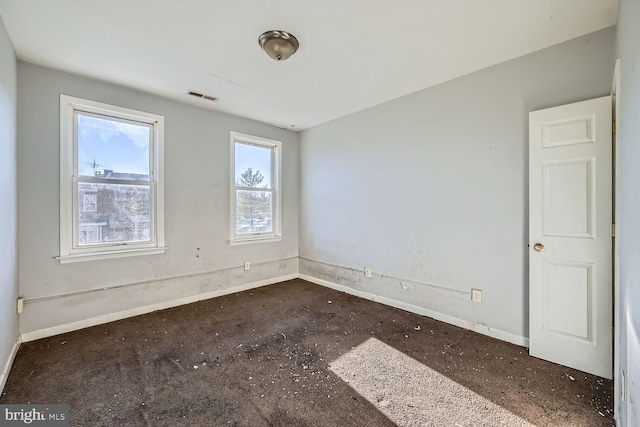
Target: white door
(570, 223)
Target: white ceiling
(353, 53)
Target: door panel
(574, 130)
(568, 198)
(570, 217)
(567, 281)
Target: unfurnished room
(338, 213)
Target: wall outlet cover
(476, 295)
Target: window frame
(70, 251)
(276, 174)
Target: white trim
(255, 240)
(484, 330)
(112, 317)
(66, 168)
(7, 366)
(109, 255)
(276, 179)
(617, 386)
(69, 181)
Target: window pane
(109, 148)
(253, 166)
(89, 202)
(122, 214)
(254, 212)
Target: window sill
(96, 256)
(249, 240)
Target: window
(255, 189)
(111, 186)
(89, 202)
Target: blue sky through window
(257, 158)
(111, 144)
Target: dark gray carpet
(262, 358)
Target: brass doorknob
(538, 247)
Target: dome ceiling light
(278, 44)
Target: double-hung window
(111, 185)
(255, 189)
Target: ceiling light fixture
(278, 44)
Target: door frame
(617, 385)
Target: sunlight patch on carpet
(412, 394)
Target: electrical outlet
(368, 273)
(247, 266)
(20, 304)
(476, 295)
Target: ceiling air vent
(199, 95)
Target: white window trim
(276, 173)
(69, 197)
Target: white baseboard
(7, 366)
(68, 327)
(111, 317)
(484, 330)
(60, 329)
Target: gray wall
(431, 189)
(628, 50)
(196, 208)
(8, 201)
